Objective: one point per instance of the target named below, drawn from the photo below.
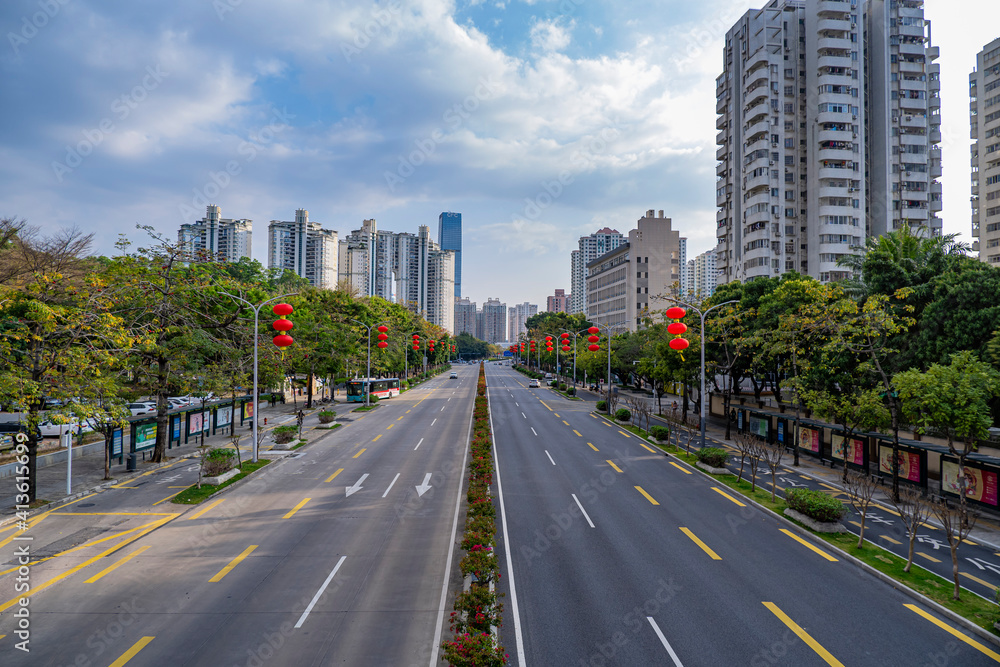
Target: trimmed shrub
(713, 456)
(571, 391)
(372, 399)
(815, 505)
(602, 406)
(623, 414)
(284, 434)
(217, 461)
(554, 383)
(476, 649)
(661, 433)
(481, 610)
(562, 386)
(326, 416)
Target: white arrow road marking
(357, 485)
(390, 485)
(425, 487)
(418, 444)
(322, 588)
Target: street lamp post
(368, 373)
(574, 334)
(256, 336)
(702, 315)
(607, 328)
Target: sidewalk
(88, 469)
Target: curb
(901, 587)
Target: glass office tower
(450, 238)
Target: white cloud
(551, 35)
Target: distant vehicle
(548, 376)
(49, 429)
(142, 408)
(381, 387)
(453, 375)
(533, 384)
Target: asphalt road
(338, 555)
(622, 556)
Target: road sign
(508, 353)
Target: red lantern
(282, 325)
(282, 340)
(382, 329)
(565, 335)
(383, 336)
(416, 347)
(382, 344)
(676, 313)
(678, 344)
(283, 309)
(677, 328)
(593, 339)
(593, 348)
(566, 348)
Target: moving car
(453, 375)
(548, 376)
(533, 384)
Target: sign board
(855, 452)
(909, 463)
(809, 439)
(980, 484)
(224, 416)
(116, 442)
(508, 353)
(145, 436)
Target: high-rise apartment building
(701, 274)
(450, 238)
(218, 239)
(465, 317)
(984, 93)
(622, 284)
(304, 248)
(590, 248)
(491, 322)
(829, 125)
(517, 316)
(559, 302)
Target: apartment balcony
(935, 170)
(835, 117)
(828, 79)
(824, 7)
(935, 188)
(934, 103)
(838, 173)
(836, 135)
(836, 61)
(836, 154)
(760, 181)
(911, 30)
(911, 68)
(722, 103)
(975, 246)
(760, 196)
(757, 100)
(832, 24)
(913, 50)
(758, 140)
(933, 52)
(834, 42)
(912, 120)
(838, 210)
(934, 136)
(721, 138)
(837, 191)
(722, 121)
(721, 153)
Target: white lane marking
(390, 485)
(285, 421)
(517, 404)
(433, 422)
(666, 644)
(518, 639)
(550, 456)
(302, 619)
(418, 444)
(533, 430)
(446, 402)
(524, 415)
(585, 515)
(444, 406)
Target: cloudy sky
(539, 120)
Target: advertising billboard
(809, 439)
(980, 485)
(909, 463)
(855, 452)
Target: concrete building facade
(305, 248)
(984, 96)
(559, 302)
(517, 316)
(465, 317)
(590, 248)
(450, 238)
(216, 238)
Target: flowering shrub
(474, 650)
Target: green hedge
(623, 414)
(815, 505)
(713, 456)
(661, 433)
(602, 406)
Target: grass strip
(193, 495)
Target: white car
(533, 384)
(51, 430)
(142, 408)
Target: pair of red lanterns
(677, 328)
(282, 325)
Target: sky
(538, 120)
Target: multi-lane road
(339, 555)
(623, 556)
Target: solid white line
(518, 640)
(418, 444)
(390, 485)
(550, 456)
(533, 430)
(585, 515)
(447, 568)
(666, 644)
(433, 422)
(322, 588)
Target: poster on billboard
(145, 436)
(758, 426)
(855, 452)
(909, 463)
(224, 416)
(809, 439)
(980, 485)
(116, 442)
(781, 431)
(198, 422)
(248, 410)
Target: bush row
(478, 609)
(815, 505)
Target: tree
(913, 510)
(956, 525)
(772, 454)
(955, 400)
(860, 491)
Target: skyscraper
(304, 248)
(465, 317)
(219, 239)
(494, 321)
(450, 238)
(518, 315)
(829, 120)
(984, 92)
(590, 248)
(559, 302)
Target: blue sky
(117, 113)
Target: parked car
(49, 429)
(533, 383)
(178, 402)
(142, 408)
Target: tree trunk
(861, 534)
(909, 559)
(309, 389)
(954, 568)
(32, 466)
(162, 423)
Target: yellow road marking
(407, 412)
(400, 417)
(543, 403)
(330, 478)
(726, 495)
(928, 557)
(854, 523)
(205, 509)
(129, 654)
(565, 422)
(592, 447)
(606, 424)
(808, 545)
(969, 542)
(121, 561)
(233, 563)
(704, 547)
(952, 631)
(578, 433)
(557, 415)
(386, 428)
(360, 452)
(35, 589)
(804, 477)
(375, 439)
(624, 433)
(889, 539)
(978, 580)
(647, 447)
(168, 497)
(803, 635)
(176, 487)
(648, 497)
(296, 508)
(681, 468)
(614, 466)
(593, 415)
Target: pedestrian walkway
(88, 470)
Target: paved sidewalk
(88, 470)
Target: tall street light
(702, 316)
(594, 347)
(574, 334)
(382, 344)
(256, 336)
